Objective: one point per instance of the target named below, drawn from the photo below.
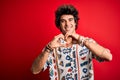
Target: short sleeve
(99, 59)
(45, 66)
(48, 61)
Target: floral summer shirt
(71, 63)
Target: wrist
(86, 42)
(77, 36)
(81, 39)
(48, 48)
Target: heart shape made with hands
(68, 41)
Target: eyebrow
(68, 18)
(71, 18)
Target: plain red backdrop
(26, 26)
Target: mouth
(68, 28)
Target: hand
(74, 36)
(56, 41)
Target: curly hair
(66, 9)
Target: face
(67, 24)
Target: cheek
(62, 25)
(62, 28)
(74, 25)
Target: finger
(66, 36)
(62, 45)
(60, 36)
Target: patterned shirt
(71, 63)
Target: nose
(67, 23)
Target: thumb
(62, 45)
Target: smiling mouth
(67, 28)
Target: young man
(69, 55)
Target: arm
(98, 50)
(39, 62)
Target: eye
(71, 19)
(62, 20)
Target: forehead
(65, 16)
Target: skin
(68, 33)
(67, 27)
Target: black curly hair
(66, 9)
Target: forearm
(98, 50)
(39, 62)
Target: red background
(27, 25)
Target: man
(69, 55)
